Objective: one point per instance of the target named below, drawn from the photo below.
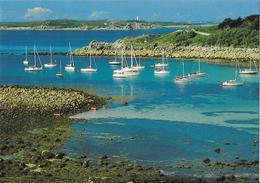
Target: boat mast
(60, 66)
(34, 56)
(51, 54)
(182, 68)
(26, 56)
(199, 66)
(131, 56)
(90, 59)
(71, 59)
(250, 64)
(122, 60)
(236, 72)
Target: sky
(150, 10)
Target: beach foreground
(31, 131)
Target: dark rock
(231, 177)
(47, 154)
(3, 147)
(59, 155)
(206, 160)
(62, 165)
(86, 164)
(221, 178)
(217, 150)
(83, 156)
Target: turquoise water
(164, 123)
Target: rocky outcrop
(227, 53)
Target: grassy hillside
(244, 34)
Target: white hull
(25, 62)
(50, 65)
(119, 74)
(161, 72)
(114, 63)
(137, 68)
(161, 65)
(88, 69)
(32, 68)
(59, 75)
(197, 74)
(248, 71)
(69, 68)
(181, 79)
(232, 83)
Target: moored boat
(34, 67)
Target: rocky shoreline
(34, 122)
(188, 52)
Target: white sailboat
(161, 70)
(114, 61)
(25, 61)
(59, 74)
(120, 73)
(50, 64)
(249, 70)
(183, 78)
(90, 68)
(137, 65)
(197, 73)
(70, 66)
(34, 67)
(234, 82)
(161, 64)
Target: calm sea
(164, 123)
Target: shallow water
(165, 122)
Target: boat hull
(33, 69)
(88, 70)
(50, 65)
(232, 83)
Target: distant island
(231, 39)
(66, 24)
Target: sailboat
(59, 74)
(114, 61)
(120, 73)
(137, 65)
(89, 68)
(34, 67)
(197, 73)
(70, 66)
(161, 64)
(50, 64)
(25, 61)
(183, 78)
(234, 82)
(161, 70)
(248, 71)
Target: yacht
(234, 82)
(50, 64)
(183, 78)
(70, 66)
(34, 67)
(59, 74)
(90, 68)
(162, 63)
(249, 70)
(197, 73)
(25, 61)
(114, 61)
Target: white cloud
(99, 15)
(36, 12)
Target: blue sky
(161, 10)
